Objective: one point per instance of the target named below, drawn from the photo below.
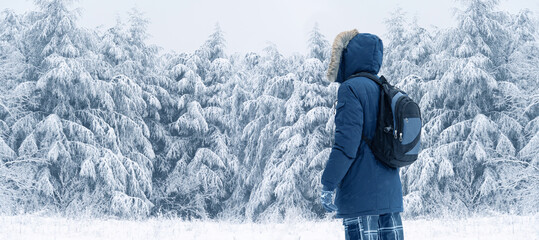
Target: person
(368, 193)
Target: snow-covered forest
(98, 122)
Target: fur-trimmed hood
(354, 52)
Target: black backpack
(396, 140)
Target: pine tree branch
(512, 161)
(36, 160)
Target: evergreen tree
(204, 165)
(82, 140)
(318, 45)
(521, 102)
(408, 49)
(12, 59)
(214, 47)
(470, 143)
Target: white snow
(36, 227)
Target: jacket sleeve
(348, 130)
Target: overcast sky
(183, 26)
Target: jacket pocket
(340, 104)
(338, 107)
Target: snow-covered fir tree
(470, 140)
(318, 45)
(408, 50)
(82, 141)
(199, 149)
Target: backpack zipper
(397, 122)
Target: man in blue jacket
(368, 193)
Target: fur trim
(340, 43)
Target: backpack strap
(370, 76)
(380, 81)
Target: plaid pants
(374, 227)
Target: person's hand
(326, 198)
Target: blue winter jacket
(364, 185)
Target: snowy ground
(33, 227)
